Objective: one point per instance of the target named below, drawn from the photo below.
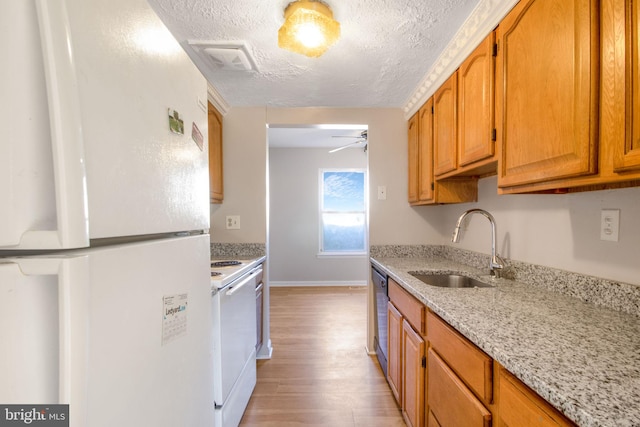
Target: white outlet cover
(610, 224)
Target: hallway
(320, 373)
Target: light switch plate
(233, 222)
(382, 192)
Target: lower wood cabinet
(441, 379)
(451, 403)
(413, 376)
(406, 363)
(460, 378)
(394, 353)
(520, 406)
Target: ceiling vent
(225, 56)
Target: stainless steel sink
(450, 280)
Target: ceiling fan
(361, 139)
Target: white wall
(392, 221)
(559, 230)
(294, 216)
(245, 170)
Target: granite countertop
(582, 358)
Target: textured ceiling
(385, 50)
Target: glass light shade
(308, 29)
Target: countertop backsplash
(619, 296)
(237, 250)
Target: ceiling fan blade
(346, 146)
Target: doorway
(298, 159)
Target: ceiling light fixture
(309, 28)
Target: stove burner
(224, 263)
(215, 273)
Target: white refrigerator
(105, 300)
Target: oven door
(234, 334)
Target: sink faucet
(495, 263)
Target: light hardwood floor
(320, 372)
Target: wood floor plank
(320, 373)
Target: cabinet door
(450, 402)
(547, 77)
(216, 187)
(414, 160)
(445, 128)
(425, 147)
(394, 353)
(627, 152)
(476, 104)
(519, 406)
(413, 374)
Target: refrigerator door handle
(73, 326)
(66, 134)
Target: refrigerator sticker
(175, 122)
(174, 317)
(196, 135)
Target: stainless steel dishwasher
(379, 280)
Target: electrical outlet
(609, 224)
(233, 222)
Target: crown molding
(217, 100)
(484, 19)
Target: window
(342, 211)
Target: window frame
(365, 212)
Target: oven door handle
(235, 288)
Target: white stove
(233, 310)
(223, 272)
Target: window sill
(341, 255)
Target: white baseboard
(275, 284)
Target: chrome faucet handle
(497, 266)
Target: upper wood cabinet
(414, 159)
(216, 186)
(423, 189)
(589, 136)
(627, 150)
(476, 102)
(445, 127)
(547, 91)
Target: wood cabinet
(406, 365)
(460, 378)
(216, 185)
(623, 20)
(414, 160)
(476, 107)
(445, 127)
(423, 189)
(585, 140)
(520, 406)
(394, 352)
(547, 91)
(413, 376)
(472, 365)
(451, 403)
